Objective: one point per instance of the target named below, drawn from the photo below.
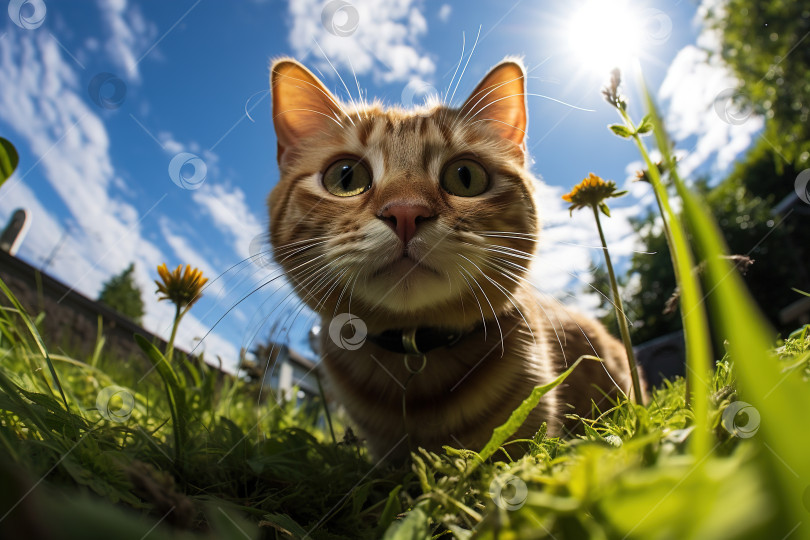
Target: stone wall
(71, 320)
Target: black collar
(415, 340)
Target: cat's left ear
(500, 100)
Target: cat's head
(416, 217)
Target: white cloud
(370, 36)
(170, 144)
(444, 12)
(698, 88)
(42, 103)
(230, 213)
(183, 249)
(130, 35)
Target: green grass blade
(415, 525)
(501, 433)
(693, 315)
(781, 399)
(37, 338)
(174, 389)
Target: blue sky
(94, 168)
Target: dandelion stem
(617, 300)
(170, 346)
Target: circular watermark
(508, 492)
(741, 419)
(351, 324)
(732, 107)
(187, 170)
(107, 91)
(260, 251)
(27, 14)
(115, 404)
(802, 186)
(418, 92)
(657, 26)
(340, 18)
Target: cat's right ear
(301, 104)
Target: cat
(413, 230)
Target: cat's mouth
(404, 266)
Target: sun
(604, 34)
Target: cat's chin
(407, 286)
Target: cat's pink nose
(404, 218)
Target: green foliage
(654, 282)
(504, 432)
(741, 324)
(779, 247)
(250, 470)
(9, 159)
(765, 45)
(123, 295)
(773, 63)
(175, 391)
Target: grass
(244, 469)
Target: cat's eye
(347, 178)
(464, 178)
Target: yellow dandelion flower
(592, 191)
(183, 288)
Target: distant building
(290, 369)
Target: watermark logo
(340, 18)
(732, 107)
(802, 186)
(508, 492)
(741, 419)
(115, 404)
(187, 170)
(260, 251)
(348, 331)
(107, 91)
(27, 14)
(418, 92)
(657, 26)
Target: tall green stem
(695, 322)
(170, 345)
(617, 300)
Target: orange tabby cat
(418, 227)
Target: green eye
(464, 178)
(347, 178)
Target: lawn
(91, 448)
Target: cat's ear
(500, 100)
(301, 104)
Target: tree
(764, 43)
(653, 282)
(123, 295)
(778, 248)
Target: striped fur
(473, 259)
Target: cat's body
(427, 219)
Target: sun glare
(605, 34)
